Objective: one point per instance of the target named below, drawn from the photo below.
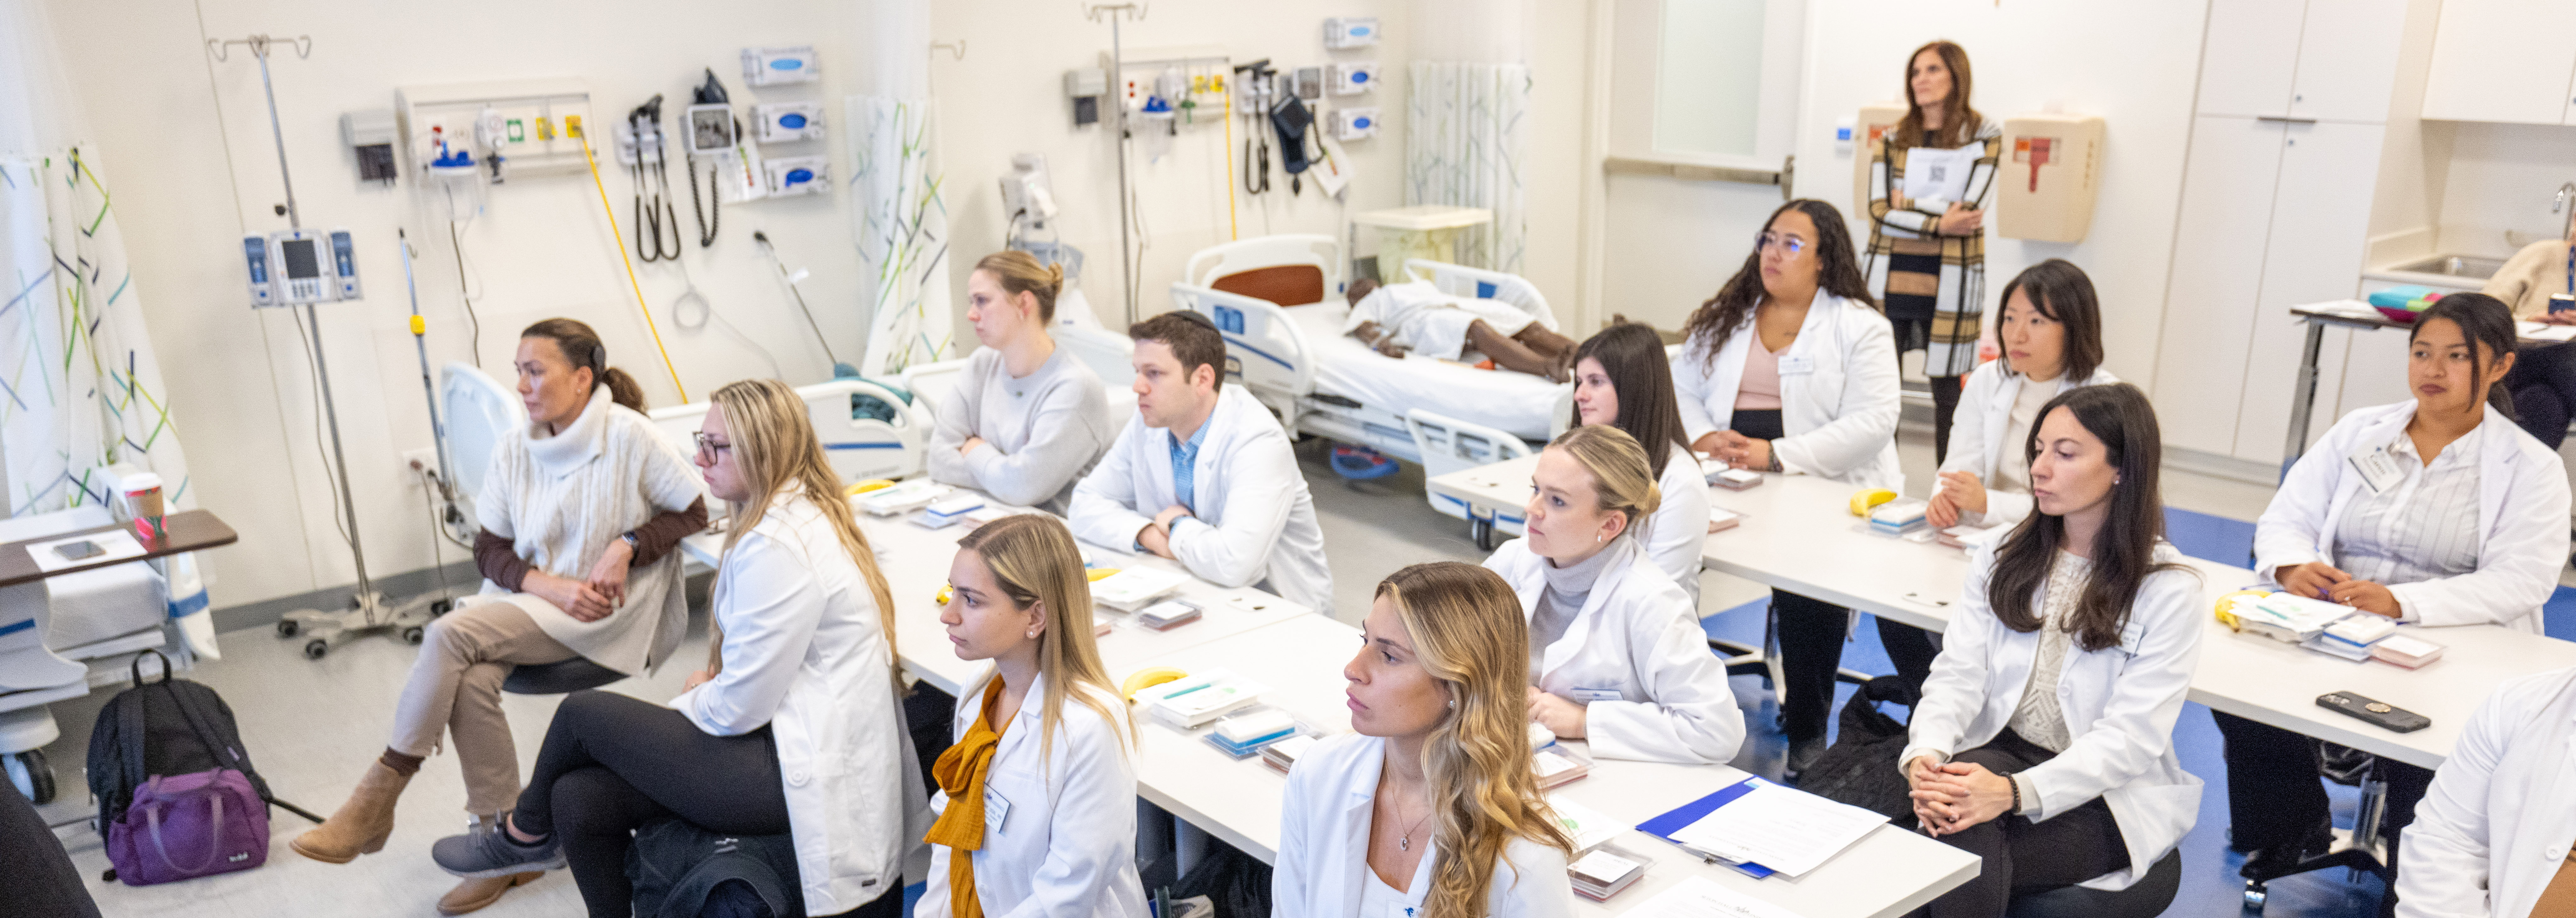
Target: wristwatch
(631, 541)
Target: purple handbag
(186, 826)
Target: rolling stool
(562, 678)
(2147, 899)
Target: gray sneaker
(485, 851)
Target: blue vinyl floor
(2210, 886)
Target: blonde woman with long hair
(792, 728)
(1028, 419)
(1616, 652)
(1435, 774)
(1037, 799)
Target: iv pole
(1117, 71)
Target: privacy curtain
(1466, 138)
(902, 233)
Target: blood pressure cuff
(1291, 119)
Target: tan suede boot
(474, 894)
(359, 826)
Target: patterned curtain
(1466, 136)
(79, 386)
(902, 232)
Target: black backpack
(169, 727)
(682, 871)
(1860, 769)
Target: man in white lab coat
(1204, 475)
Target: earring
(1033, 635)
(1453, 704)
(1600, 538)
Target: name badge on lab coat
(1590, 695)
(2378, 471)
(1796, 364)
(996, 806)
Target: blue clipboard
(1682, 816)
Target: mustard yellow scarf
(960, 772)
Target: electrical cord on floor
(313, 372)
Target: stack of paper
(1134, 588)
(1168, 614)
(1559, 765)
(1898, 517)
(1601, 874)
(1189, 703)
(2353, 637)
(1731, 479)
(1721, 519)
(2284, 617)
(903, 498)
(1283, 755)
(2406, 650)
(1589, 828)
(1243, 735)
(1789, 831)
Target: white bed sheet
(1517, 403)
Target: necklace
(1404, 842)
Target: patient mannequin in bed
(1416, 316)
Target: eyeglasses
(1792, 244)
(709, 449)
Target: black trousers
(1911, 649)
(2543, 383)
(1811, 630)
(2020, 857)
(1945, 402)
(42, 883)
(612, 763)
(2273, 796)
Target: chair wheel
(33, 775)
(286, 627)
(442, 607)
(2254, 896)
(315, 648)
(412, 635)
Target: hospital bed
(1276, 300)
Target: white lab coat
(2522, 514)
(1323, 844)
(1066, 842)
(1638, 636)
(805, 654)
(2496, 824)
(1838, 413)
(1254, 521)
(1977, 432)
(1678, 529)
(2120, 704)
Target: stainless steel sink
(2455, 266)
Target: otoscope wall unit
(503, 129)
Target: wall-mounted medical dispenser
(780, 66)
(2050, 174)
(1342, 32)
(1353, 78)
(1085, 86)
(370, 136)
(1354, 123)
(787, 122)
(1874, 121)
(795, 175)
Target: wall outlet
(423, 458)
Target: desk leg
(2303, 397)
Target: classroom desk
(915, 563)
(1889, 872)
(1796, 536)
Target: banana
(1098, 574)
(857, 488)
(1147, 678)
(2228, 601)
(1861, 501)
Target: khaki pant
(455, 685)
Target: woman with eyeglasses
(1791, 369)
(580, 513)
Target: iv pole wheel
(286, 627)
(413, 635)
(315, 648)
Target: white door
(2320, 222)
(2219, 240)
(2248, 62)
(2503, 60)
(2348, 59)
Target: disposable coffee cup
(143, 501)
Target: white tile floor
(313, 725)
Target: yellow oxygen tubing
(619, 235)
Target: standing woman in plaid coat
(1927, 249)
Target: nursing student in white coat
(1621, 379)
(2436, 511)
(1616, 652)
(1037, 798)
(2044, 740)
(793, 727)
(2051, 336)
(1428, 807)
(2491, 838)
(1204, 475)
(1791, 368)
(1027, 418)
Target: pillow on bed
(1286, 285)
